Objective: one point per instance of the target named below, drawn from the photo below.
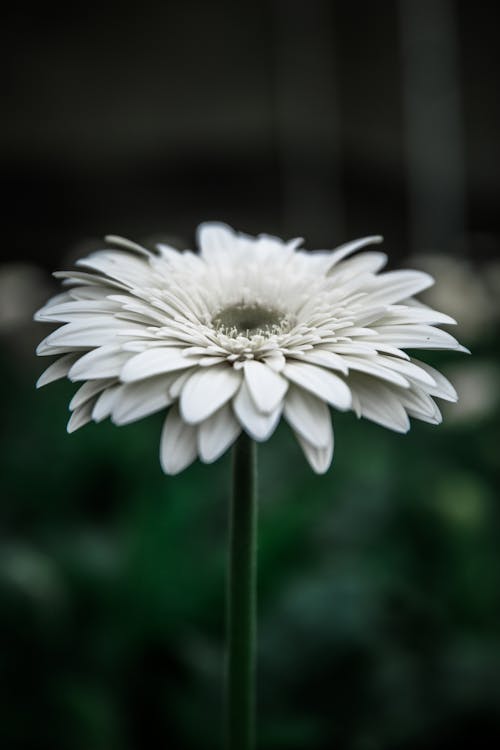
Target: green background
(378, 585)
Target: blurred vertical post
(306, 118)
(434, 123)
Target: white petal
(357, 347)
(210, 361)
(394, 286)
(105, 403)
(417, 337)
(434, 418)
(350, 247)
(258, 425)
(178, 443)
(119, 266)
(378, 403)
(177, 385)
(326, 358)
(268, 249)
(215, 240)
(319, 458)
(89, 293)
(420, 405)
(88, 390)
(409, 369)
(92, 279)
(207, 390)
(92, 331)
(104, 362)
(375, 366)
(443, 388)
(80, 416)
(403, 315)
(140, 399)
(366, 262)
(58, 369)
(276, 361)
(321, 383)
(308, 416)
(266, 387)
(115, 239)
(389, 349)
(171, 254)
(74, 310)
(217, 433)
(154, 362)
(369, 314)
(46, 349)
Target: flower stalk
(241, 598)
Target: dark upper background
(292, 117)
(379, 610)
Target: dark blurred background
(379, 583)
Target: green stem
(241, 598)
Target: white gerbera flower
(248, 331)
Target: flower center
(250, 320)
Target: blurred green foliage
(378, 586)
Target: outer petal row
(218, 401)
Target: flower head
(241, 334)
